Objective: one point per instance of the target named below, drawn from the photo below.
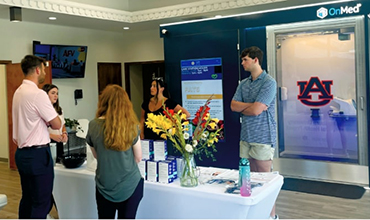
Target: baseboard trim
(322, 170)
(4, 160)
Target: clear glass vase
(189, 174)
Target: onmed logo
(324, 12)
(315, 85)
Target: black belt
(34, 147)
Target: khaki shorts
(256, 151)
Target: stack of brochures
(227, 178)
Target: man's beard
(41, 79)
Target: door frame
(329, 170)
(127, 72)
(6, 126)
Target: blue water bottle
(244, 177)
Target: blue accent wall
(255, 36)
(218, 38)
(208, 45)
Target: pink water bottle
(244, 177)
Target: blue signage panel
(199, 69)
(200, 80)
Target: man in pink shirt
(32, 114)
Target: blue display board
(200, 80)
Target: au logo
(315, 85)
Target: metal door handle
(362, 104)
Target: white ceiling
(113, 15)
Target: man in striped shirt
(255, 100)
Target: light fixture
(164, 31)
(15, 14)
(126, 28)
(52, 18)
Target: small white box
(152, 170)
(147, 149)
(142, 168)
(174, 165)
(160, 150)
(165, 171)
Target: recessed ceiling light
(126, 28)
(52, 18)
(218, 16)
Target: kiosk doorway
(320, 70)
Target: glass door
(320, 70)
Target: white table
(74, 193)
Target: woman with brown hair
(114, 139)
(160, 95)
(59, 136)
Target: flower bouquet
(176, 128)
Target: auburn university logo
(315, 85)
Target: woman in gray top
(114, 139)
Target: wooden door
(14, 78)
(109, 73)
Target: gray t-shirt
(117, 173)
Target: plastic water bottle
(244, 177)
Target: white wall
(4, 140)
(103, 46)
(143, 46)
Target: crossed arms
(250, 109)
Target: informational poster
(201, 79)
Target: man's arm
(255, 109)
(55, 123)
(237, 106)
(265, 96)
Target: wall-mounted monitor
(66, 61)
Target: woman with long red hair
(114, 139)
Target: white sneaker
(49, 217)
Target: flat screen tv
(66, 61)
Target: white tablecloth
(74, 193)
